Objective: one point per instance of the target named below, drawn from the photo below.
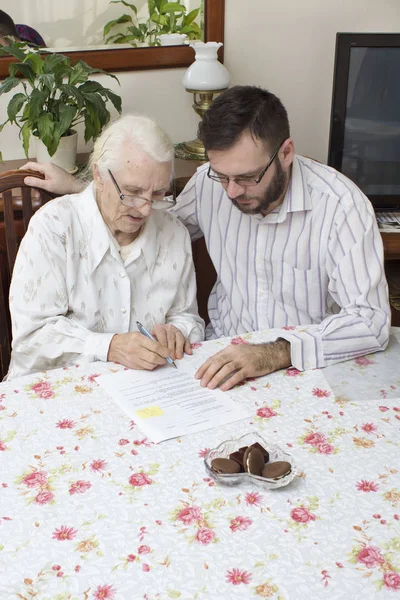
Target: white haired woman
(94, 263)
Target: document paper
(168, 403)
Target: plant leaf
(73, 92)
(190, 17)
(15, 105)
(47, 80)
(67, 114)
(27, 72)
(111, 24)
(9, 84)
(78, 74)
(115, 100)
(36, 102)
(26, 134)
(45, 126)
(173, 7)
(35, 61)
(132, 6)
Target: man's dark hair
(7, 25)
(244, 108)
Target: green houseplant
(135, 33)
(56, 97)
(163, 18)
(171, 17)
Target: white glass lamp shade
(206, 73)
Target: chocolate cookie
(225, 466)
(276, 470)
(253, 461)
(263, 450)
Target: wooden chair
(17, 205)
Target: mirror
(114, 57)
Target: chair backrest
(17, 205)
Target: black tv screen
(364, 139)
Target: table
(89, 509)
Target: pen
(148, 334)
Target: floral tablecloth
(90, 509)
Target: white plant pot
(172, 39)
(65, 155)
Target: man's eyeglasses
(162, 203)
(244, 181)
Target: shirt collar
(297, 197)
(96, 236)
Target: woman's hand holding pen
(136, 351)
(173, 338)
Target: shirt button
(122, 274)
(123, 310)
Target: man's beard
(274, 191)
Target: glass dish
(275, 453)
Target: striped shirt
(317, 261)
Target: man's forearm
(273, 356)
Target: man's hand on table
(240, 362)
(57, 180)
(136, 351)
(171, 337)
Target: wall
(288, 47)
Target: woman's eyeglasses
(162, 203)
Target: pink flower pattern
(370, 557)
(44, 497)
(266, 413)
(64, 533)
(391, 580)
(205, 535)
(189, 515)
(79, 487)
(140, 479)
(302, 515)
(36, 479)
(104, 592)
(238, 576)
(367, 486)
(238, 340)
(240, 523)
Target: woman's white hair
(143, 131)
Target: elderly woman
(92, 264)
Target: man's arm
(187, 208)
(184, 312)
(230, 366)
(57, 181)
(358, 285)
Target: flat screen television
(364, 141)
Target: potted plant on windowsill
(56, 97)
